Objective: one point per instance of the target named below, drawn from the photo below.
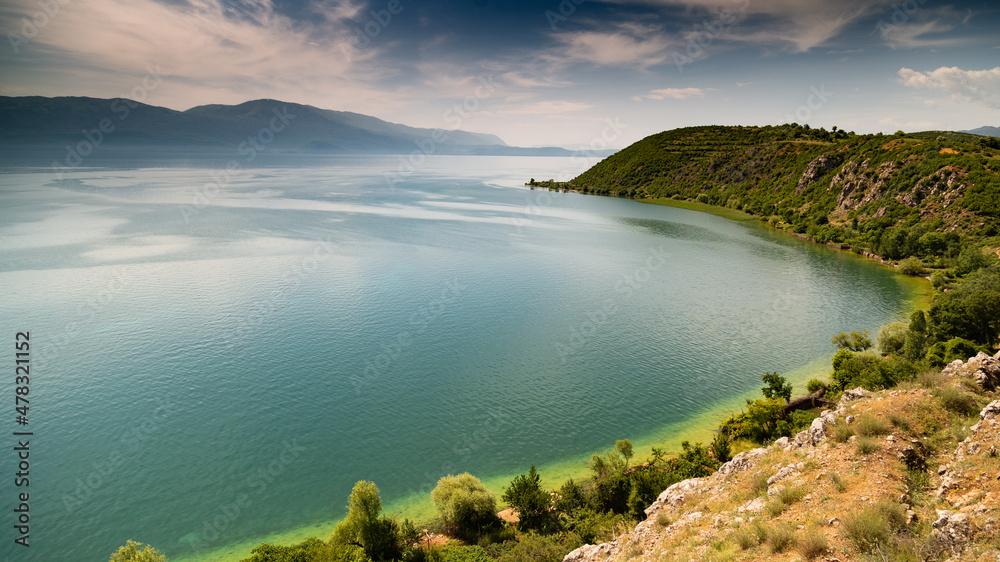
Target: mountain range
(54, 123)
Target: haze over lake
(266, 344)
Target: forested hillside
(922, 194)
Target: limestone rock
(952, 530)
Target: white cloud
(629, 45)
(978, 86)
(794, 24)
(672, 93)
(915, 35)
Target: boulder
(952, 530)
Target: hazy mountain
(265, 124)
(985, 131)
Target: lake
(218, 356)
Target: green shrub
(538, 548)
(875, 525)
(465, 505)
(954, 399)
(892, 337)
(842, 432)
(137, 552)
(525, 494)
(720, 448)
(943, 353)
(780, 538)
(365, 526)
(472, 553)
(814, 385)
(813, 544)
(868, 425)
(911, 266)
(854, 341)
(867, 446)
(664, 520)
(751, 535)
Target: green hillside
(877, 193)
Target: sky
(573, 73)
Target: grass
(842, 432)
(785, 498)
(955, 399)
(874, 526)
(868, 425)
(813, 544)
(664, 520)
(750, 536)
(867, 446)
(781, 538)
(759, 484)
(839, 483)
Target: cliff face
(909, 471)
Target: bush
(868, 370)
(867, 446)
(751, 535)
(842, 432)
(814, 385)
(874, 526)
(311, 550)
(137, 552)
(868, 425)
(781, 538)
(465, 505)
(911, 266)
(942, 353)
(537, 548)
(892, 338)
(954, 399)
(813, 544)
(855, 341)
(777, 387)
(365, 525)
(720, 448)
(525, 494)
(839, 483)
(939, 280)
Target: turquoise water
(211, 365)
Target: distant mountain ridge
(35, 121)
(985, 131)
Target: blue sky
(551, 72)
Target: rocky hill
(910, 473)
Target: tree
(131, 553)
(365, 526)
(915, 344)
(465, 504)
(776, 387)
(525, 494)
(309, 550)
(855, 341)
(892, 338)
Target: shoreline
(698, 427)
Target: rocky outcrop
(983, 368)
(952, 530)
(817, 169)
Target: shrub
(842, 432)
(465, 505)
(525, 494)
(954, 399)
(867, 446)
(720, 448)
(777, 387)
(366, 527)
(664, 520)
(911, 266)
(939, 280)
(537, 548)
(759, 484)
(751, 535)
(892, 337)
(868, 370)
(813, 544)
(873, 526)
(943, 353)
(854, 341)
(137, 552)
(868, 425)
(781, 538)
(814, 385)
(309, 549)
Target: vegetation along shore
(892, 455)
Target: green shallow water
(306, 326)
